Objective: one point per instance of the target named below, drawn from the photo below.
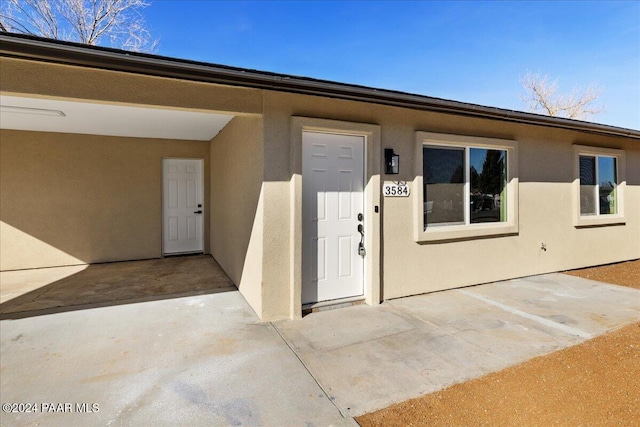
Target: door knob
(197, 212)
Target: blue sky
(470, 51)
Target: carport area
(207, 359)
(26, 293)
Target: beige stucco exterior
(65, 81)
(73, 199)
(545, 197)
(236, 205)
(70, 199)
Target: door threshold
(332, 304)
(179, 254)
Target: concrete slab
(20, 282)
(362, 375)
(51, 290)
(491, 329)
(207, 360)
(548, 297)
(201, 360)
(367, 358)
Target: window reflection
(607, 185)
(488, 178)
(587, 185)
(598, 185)
(443, 175)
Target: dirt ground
(622, 273)
(596, 383)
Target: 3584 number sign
(395, 190)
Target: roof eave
(35, 48)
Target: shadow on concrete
(101, 285)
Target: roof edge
(37, 48)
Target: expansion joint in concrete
(546, 322)
(293, 350)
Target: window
(444, 182)
(467, 186)
(599, 196)
(463, 185)
(598, 183)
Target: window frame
(447, 232)
(599, 219)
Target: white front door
(183, 206)
(332, 201)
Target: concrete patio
(207, 360)
(199, 361)
(26, 293)
(368, 358)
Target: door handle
(361, 250)
(197, 212)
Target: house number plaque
(395, 189)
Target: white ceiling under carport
(53, 115)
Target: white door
(183, 206)
(332, 199)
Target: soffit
(52, 115)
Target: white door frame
(200, 197)
(372, 208)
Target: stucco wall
(545, 210)
(236, 205)
(545, 202)
(32, 239)
(72, 199)
(64, 81)
(282, 172)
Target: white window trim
(464, 231)
(600, 219)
